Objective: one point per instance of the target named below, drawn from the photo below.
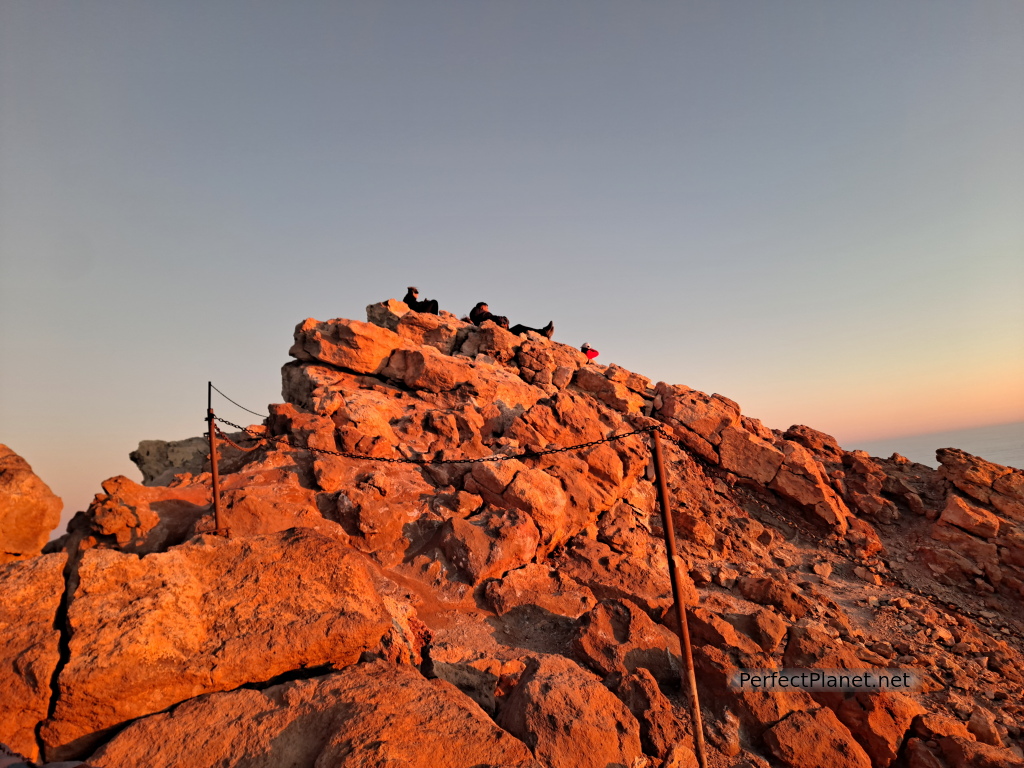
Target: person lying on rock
(412, 298)
(481, 313)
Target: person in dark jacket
(481, 313)
(589, 351)
(412, 298)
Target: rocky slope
(515, 612)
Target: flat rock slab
(368, 716)
(210, 615)
(29, 654)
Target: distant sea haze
(1000, 443)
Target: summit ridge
(451, 609)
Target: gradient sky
(816, 209)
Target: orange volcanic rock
(979, 478)
(32, 591)
(756, 710)
(661, 727)
(815, 739)
(803, 479)
(865, 483)
(748, 455)
(368, 715)
(386, 314)
(146, 519)
(879, 722)
(617, 638)
(490, 544)
(963, 753)
(696, 419)
(29, 510)
(543, 586)
(970, 518)
(207, 616)
(367, 535)
(347, 344)
(611, 393)
(422, 329)
(568, 718)
(610, 575)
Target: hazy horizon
(814, 210)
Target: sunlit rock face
(32, 591)
(29, 510)
(409, 570)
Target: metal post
(674, 569)
(212, 428)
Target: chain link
(283, 439)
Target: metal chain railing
(254, 413)
(675, 566)
(284, 439)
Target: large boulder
(748, 455)
(210, 615)
(348, 344)
(29, 510)
(612, 393)
(424, 329)
(141, 519)
(490, 544)
(815, 739)
(802, 479)
(969, 517)
(696, 419)
(980, 479)
(568, 718)
(661, 730)
(368, 716)
(879, 721)
(512, 484)
(32, 592)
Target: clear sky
(816, 209)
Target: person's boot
(549, 329)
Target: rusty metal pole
(211, 426)
(674, 568)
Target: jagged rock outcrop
(29, 510)
(416, 572)
(160, 461)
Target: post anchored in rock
(687, 678)
(211, 425)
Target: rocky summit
(410, 571)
